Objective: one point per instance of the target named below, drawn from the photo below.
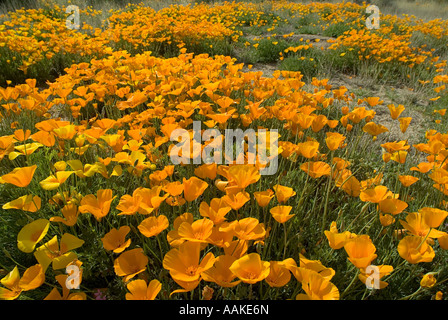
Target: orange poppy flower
(66, 295)
(417, 225)
(216, 211)
(374, 129)
(14, 285)
(383, 270)
(245, 229)
(281, 213)
(316, 169)
(70, 213)
(407, 180)
(433, 217)
(139, 290)
(279, 274)
(263, 197)
(336, 239)
(415, 249)
(373, 101)
(20, 177)
(220, 272)
(404, 123)
(193, 188)
(283, 193)
(174, 188)
(395, 111)
(130, 263)
(399, 156)
(334, 140)
(376, 194)
(98, 206)
(206, 171)
(198, 231)
(152, 226)
(243, 175)
(115, 239)
(59, 255)
(31, 234)
(54, 181)
(184, 265)
(308, 149)
(392, 206)
(27, 203)
(236, 200)
(317, 287)
(361, 251)
(250, 268)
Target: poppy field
(351, 120)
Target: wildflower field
(350, 119)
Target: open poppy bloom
(283, 193)
(307, 264)
(245, 229)
(220, 272)
(216, 211)
(139, 290)
(334, 140)
(150, 199)
(70, 213)
(417, 225)
(184, 265)
(281, 213)
(392, 206)
(336, 239)
(207, 170)
(308, 149)
(316, 169)
(152, 226)
(58, 254)
(25, 149)
(174, 188)
(20, 177)
(115, 239)
(31, 234)
(415, 249)
(130, 263)
(81, 170)
(376, 194)
(243, 175)
(198, 231)
(236, 200)
(14, 285)
(361, 251)
(250, 268)
(27, 203)
(317, 287)
(399, 156)
(433, 217)
(263, 197)
(193, 188)
(54, 181)
(279, 274)
(173, 236)
(98, 206)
